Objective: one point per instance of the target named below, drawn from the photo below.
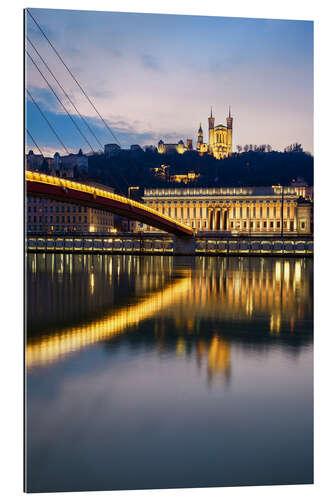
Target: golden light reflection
(286, 272)
(180, 349)
(297, 272)
(92, 283)
(278, 270)
(275, 323)
(73, 339)
(239, 292)
(218, 356)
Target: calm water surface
(157, 372)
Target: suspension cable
(74, 78)
(47, 121)
(66, 94)
(35, 143)
(59, 100)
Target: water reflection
(155, 372)
(98, 298)
(61, 342)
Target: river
(163, 372)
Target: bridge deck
(83, 194)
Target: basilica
(219, 142)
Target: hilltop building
(219, 138)
(164, 148)
(185, 178)
(111, 150)
(219, 142)
(69, 166)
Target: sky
(154, 76)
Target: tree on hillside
(294, 148)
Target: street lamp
(282, 203)
(129, 189)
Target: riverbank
(161, 244)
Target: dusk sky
(156, 76)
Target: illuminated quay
(201, 220)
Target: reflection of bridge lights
(70, 340)
(206, 294)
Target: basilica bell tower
(229, 132)
(200, 138)
(211, 121)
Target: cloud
(149, 61)
(156, 76)
(45, 97)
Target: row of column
(222, 218)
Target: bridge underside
(121, 208)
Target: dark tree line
(260, 166)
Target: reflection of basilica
(275, 294)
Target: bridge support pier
(184, 246)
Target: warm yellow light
(298, 272)
(72, 339)
(49, 179)
(278, 271)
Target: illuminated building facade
(45, 215)
(185, 178)
(164, 148)
(219, 140)
(238, 210)
(51, 216)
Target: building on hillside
(78, 163)
(136, 148)
(68, 167)
(111, 150)
(188, 178)
(165, 148)
(219, 138)
(237, 210)
(162, 171)
(219, 142)
(37, 162)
